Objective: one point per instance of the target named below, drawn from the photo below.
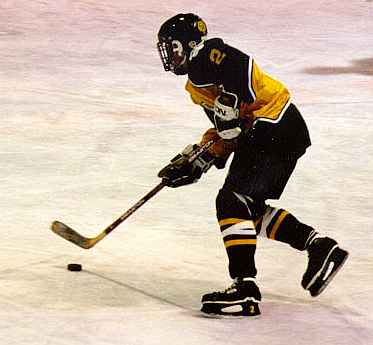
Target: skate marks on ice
(283, 317)
(80, 305)
(10, 33)
(287, 320)
(320, 319)
(138, 290)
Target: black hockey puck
(74, 267)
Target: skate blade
(338, 257)
(227, 316)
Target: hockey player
(256, 120)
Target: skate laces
(236, 282)
(232, 288)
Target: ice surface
(88, 117)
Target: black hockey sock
(239, 238)
(280, 225)
(238, 233)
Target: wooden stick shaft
(136, 206)
(73, 236)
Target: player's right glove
(226, 116)
(181, 172)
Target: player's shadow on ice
(359, 66)
(155, 295)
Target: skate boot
(325, 259)
(240, 299)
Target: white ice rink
(88, 117)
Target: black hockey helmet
(176, 39)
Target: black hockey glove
(226, 116)
(181, 172)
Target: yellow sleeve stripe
(230, 221)
(282, 216)
(239, 242)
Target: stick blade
(71, 235)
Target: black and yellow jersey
(215, 66)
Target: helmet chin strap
(183, 62)
(181, 68)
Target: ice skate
(325, 259)
(240, 299)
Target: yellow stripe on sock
(239, 242)
(272, 235)
(228, 221)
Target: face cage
(165, 53)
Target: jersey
(264, 102)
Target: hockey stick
(71, 235)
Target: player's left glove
(226, 116)
(181, 172)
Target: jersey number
(217, 56)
